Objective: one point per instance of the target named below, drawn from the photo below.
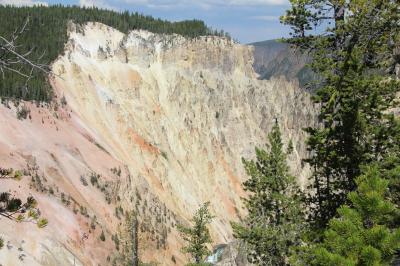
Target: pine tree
(14, 209)
(360, 235)
(389, 166)
(355, 52)
(274, 221)
(198, 236)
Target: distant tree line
(46, 34)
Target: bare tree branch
(12, 60)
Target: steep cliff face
(161, 122)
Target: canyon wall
(143, 125)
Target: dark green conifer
(102, 236)
(360, 235)
(198, 236)
(274, 221)
(355, 52)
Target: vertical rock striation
(176, 115)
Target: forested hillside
(273, 58)
(46, 34)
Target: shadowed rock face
(277, 59)
(175, 115)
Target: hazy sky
(246, 20)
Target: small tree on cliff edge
(274, 221)
(198, 236)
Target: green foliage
(126, 241)
(20, 218)
(33, 214)
(131, 247)
(164, 154)
(116, 241)
(31, 203)
(14, 209)
(4, 200)
(198, 236)
(199, 264)
(18, 175)
(6, 173)
(11, 174)
(13, 204)
(102, 236)
(42, 222)
(274, 221)
(93, 222)
(148, 263)
(389, 166)
(83, 181)
(353, 46)
(47, 33)
(360, 235)
(1, 243)
(23, 113)
(94, 178)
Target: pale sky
(246, 20)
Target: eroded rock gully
(149, 124)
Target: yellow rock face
(175, 115)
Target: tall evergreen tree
(360, 235)
(198, 236)
(355, 52)
(274, 221)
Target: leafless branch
(12, 60)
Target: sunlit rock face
(176, 115)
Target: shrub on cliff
(102, 236)
(14, 209)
